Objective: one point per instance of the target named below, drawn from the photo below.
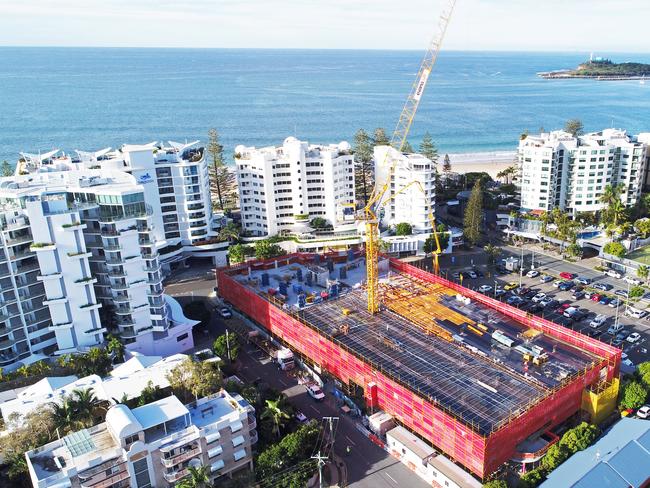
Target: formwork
(413, 392)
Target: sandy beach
(488, 162)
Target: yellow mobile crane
(397, 141)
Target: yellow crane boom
(397, 141)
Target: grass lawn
(641, 255)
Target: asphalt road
(548, 264)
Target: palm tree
(230, 232)
(609, 197)
(197, 477)
(64, 416)
(116, 348)
(643, 272)
(86, 405)
(617, 211)
(275, 412)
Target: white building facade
(411, 194)
(558, 170)
(151, 446)
(75, 242)
(283, 188)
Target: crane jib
(421, 84)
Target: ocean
(91, 98)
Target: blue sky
(547, 25)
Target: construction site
(477, 379)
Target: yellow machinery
(397, 141)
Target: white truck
(284, 358)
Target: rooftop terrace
(436, 343)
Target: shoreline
(491, 163)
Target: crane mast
(397, 141)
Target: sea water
(91, 98)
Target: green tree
(495, 484)
(615, 249)
(363, 176)
(197, 477)
(555, 456)
(65, 417)
(227, 347)
(474, 215)
(222, 180)
(275, 412)
(579, 438)
(531, 478)
(636, 291)
(643, 226)
(86, 406)
(379, 137)
(6, 169)
(614, 208)
(446, 164)
(403, 229)
(115, 348)
(265, 249)
(574, 127)
(493, 252)
(574, 249)
(191, 379)
(428, 148)
(149, 394)
(230, 232)
(319, 223)
(407, 148)
(238, 253)
(634, 395)
(643, 368)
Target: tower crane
(397, 141)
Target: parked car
(563, 307)
(485, 288)
(546, 278)
(621, 293)
(514, 300)
(533, 273)
(225, 313)
(472, 275)
(603, 286)
(479, 273)
(501, 270)
(596, 297)
(567, 310)
(578, 315)
(522, 291)
(567, 276)
(594, 332)
(613, 273)
(583, 280)
(632, 281)
(617, 341)
(530, 294)
(604, 300)
(557, 283)
(598, 320)
(615, 302)
(578, 294)
(315, 392)
(301, 417)
(499, 292)
(564, 321)
(550, 303)
(566, 286)
(635, 313)
(643, 412)
(511, 286)
(633, 338)
(539, 297)
(589, 294)
(614, 329)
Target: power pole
(321, 463)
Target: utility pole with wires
(321, 462)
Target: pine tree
(407, 148)
(428, 148)
(474, 214)
(363, 173)
(446, 165)
(6, 169)
(380, 138)
(222, 180)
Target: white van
(598, 321)
(635, 313)
(613, 273)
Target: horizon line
(206, 48)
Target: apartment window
(130, 439)
(141, 470)
(182, 337)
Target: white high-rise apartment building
(411, 195)
(73, 242)
(151, 446)
(283, 188)
(558, 170)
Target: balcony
(49, 276)
(151, 269)
(74, 226)
(86, 281)
(9, 343)
(54, 301)
(174, 476)
(106, 482)
(90, 306)
(62, 326)
(42, 246)
(117, 274)
(18, 240)
(181, 457)
(79, 255)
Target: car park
(577, 294)
(602, 286)
(546, 278)
(621, 293)
(643, 412)
(613, 273)
(485, 288)
(583, 280)
(567, 276)
(633, 338)
(615, 302)
(511, 286)
(539, 297)
(533, 273)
